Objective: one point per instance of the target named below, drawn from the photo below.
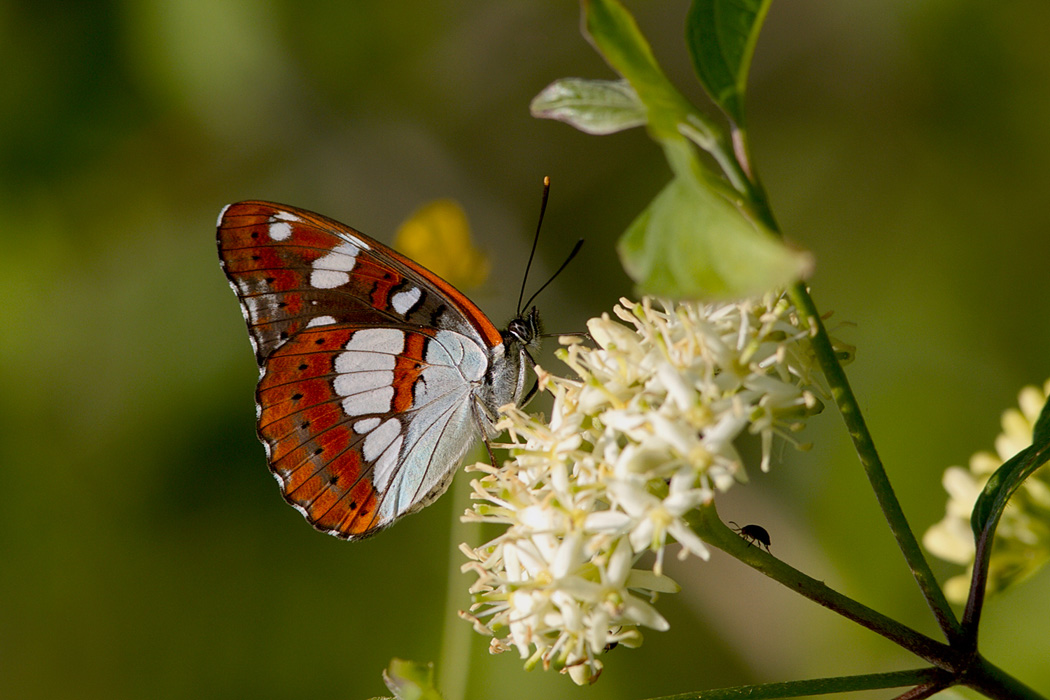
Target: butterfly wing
(370, 366)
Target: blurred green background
(144, 549)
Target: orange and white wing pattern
(375, 375)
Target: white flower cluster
(636, 443)
(1022, 539)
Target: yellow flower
(437, 236)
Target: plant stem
(714, 532)
(456, 635)
(924, 690)
(978, 585)
(816, 686)
(960, 657)
(869, 458)
(993, 682)
(963, 665)
(850, 411)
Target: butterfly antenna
(575, 250)
(535, 240)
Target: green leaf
(592, 106)
(411, 680)
(1009, 477)
(989, 508)
(722, 35)
(691, 242)
(1041, 429)
(614, 33)
(696, 239)
(985, 506)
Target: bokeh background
(144, 549)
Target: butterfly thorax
(507, 375)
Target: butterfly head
(524, 330)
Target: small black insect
(754, 534)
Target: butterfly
(375, 375)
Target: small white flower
(1022, 539)
(636, 442)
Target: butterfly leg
(492, 455)
(531, 393)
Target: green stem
(735, 161)
(954, 665)
(993, 682)
(869, 458)
(817, 686)
(456, 635)
(960, 657)
(978, 585)
(858, 429)
(713, 531)
(923, 690)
